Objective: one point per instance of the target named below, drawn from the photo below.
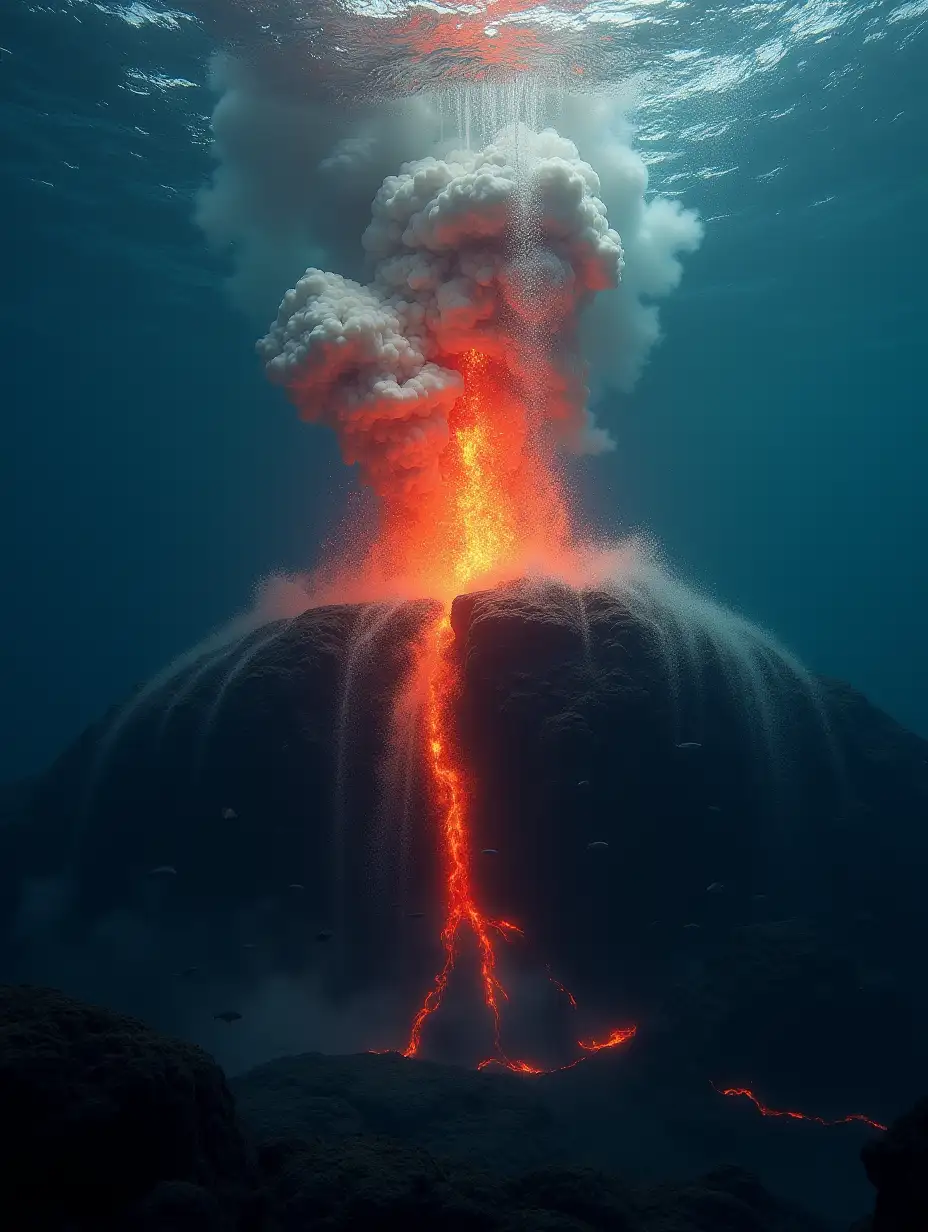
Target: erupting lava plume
(449, 379)
(489, 513)
(499, 508)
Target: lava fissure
(461, 908)
(789, 1114)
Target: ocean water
(775, 443)
(284, 841)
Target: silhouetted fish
(163, 870)
(228, 1016)
(324, 935)
(295, 885)
(489, 851)
(414, 915)
(689, 744)
(599, 845)
(715, 888)
(229, 814)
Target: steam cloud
(371, 350)
(451, 276)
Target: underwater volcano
(689, 833)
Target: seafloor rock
(379, 1184)
(109, 1127)
(636, 1114)
(755, 900)
(178, 1206)
(490, 1120)
(98, 1110)
(897, 1165)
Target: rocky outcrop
(99, 1112)
(112, 1127)
(378, 1185)
(489, 1120)
(897, 1166)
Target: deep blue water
(776, 444)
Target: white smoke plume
(293, 188)
(493, 252)
(622, 327)
(295, 176)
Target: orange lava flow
(499, 503)
(795, 1116)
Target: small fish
(163, 870)
(759, 898)
(716, 888)
(415, 915)
(324, 935)
(489, 851)
(713, 808)
(188, 971)
(599, 845)
(228, 1016)
(691, 926)
(249, 945)
(689, 744)
(229, 814)
(584, 784)
(295, 885)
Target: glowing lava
(745, 1093)
(450, 790)
(619, 1036)
(499, 513)
(500, 507)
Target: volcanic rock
(99, 1111)
(487, 1120)
(897, 1166)
(111, 1127)
(377, 1185)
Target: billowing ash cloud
(623, 327)
(295, 174)
(293, 185)
(494, 252)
